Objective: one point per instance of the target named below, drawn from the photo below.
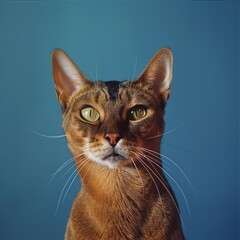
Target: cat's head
(113, 123)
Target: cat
(114, 130)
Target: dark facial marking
(113, 89)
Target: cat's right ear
(67, 77)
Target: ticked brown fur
(124, 194)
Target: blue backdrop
(106, 39)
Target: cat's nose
(113, 138)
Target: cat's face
(111, 123)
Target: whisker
(180, 169)
(65, 164)
(87, 171)
(47, 136)
(68, 171)
(141, 162)
(184, 196)
(60, 168)
(158, 177)
(60, 197)
(165, 133)
(155, 155)
(134, 70)
(74, 172)
(154, 160)
(169, 159)
(96, 72)
(181, 148)
(89, 69)
(138, 173)
(93, 168)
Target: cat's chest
(117, 220)
(122, 221)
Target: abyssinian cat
(114, 130)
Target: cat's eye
(137, 113)
(89, 114)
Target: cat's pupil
(89, 114)
(137, 113)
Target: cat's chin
(114, 157)
(111, 161)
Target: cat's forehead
(110, 94)
(103, 91)
(112, 88)
(122, 92)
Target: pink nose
(113, 138)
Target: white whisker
(169, 159)
(68, 171)
(134, 70)
(47, 136)
(96, 72)
(60, 197)
(166, 188)
(69, 186)
(93, 168)
(138, 173)
(174, 146)
(178, 168)
(142, 162)
(165, 133)
(60, 168)
(87, 170)
(154, 160)
(89, 69)
(64, 187)
(184, 196)
(65, 164)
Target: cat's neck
(123, 197)
(136, 181)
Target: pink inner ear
(67, 74)
(69, 68)
(67, 77)
(158, 73)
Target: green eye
(137, 113)
(90, 114)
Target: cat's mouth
(114, 157)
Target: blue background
(111, 36)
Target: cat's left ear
(157, 76)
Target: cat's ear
(157, 76)
(67, 77)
